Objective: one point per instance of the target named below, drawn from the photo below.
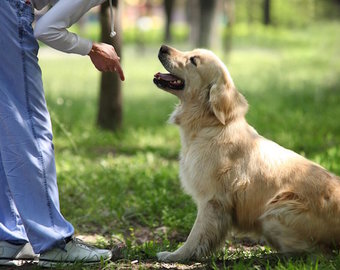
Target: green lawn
(125, 186)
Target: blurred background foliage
(144, 21)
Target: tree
(201, 18)
(110, 100)
(266, 12)
(230, 13)
(168, 7)
(192, 15)
(207, 12)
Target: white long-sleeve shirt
(51, 28)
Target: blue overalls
(29, 203)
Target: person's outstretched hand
(105, 58)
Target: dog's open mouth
(168, 81)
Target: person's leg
(26, 135)
(14, 246)
(11, 227)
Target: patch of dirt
(155, 265)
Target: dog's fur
(238, 179)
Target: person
(30, 218)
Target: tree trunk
(207, 12)
(266, 12)
(230, 11)
(110, 100)
(168, 7)
(193, 18)
(250, 11)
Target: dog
(239, 180)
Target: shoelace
(81, 243)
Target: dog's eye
(193, 61)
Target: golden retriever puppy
(238, 179)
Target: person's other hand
(105, 58)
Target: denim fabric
(29, 202)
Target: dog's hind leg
(283, 238)
(283, 223)
(208, 233)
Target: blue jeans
(29, 202)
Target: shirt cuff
(84, 46)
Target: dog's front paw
(165, 256)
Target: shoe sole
(53, 264)
(7, 262)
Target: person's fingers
(115, 67)
(121, 73)
(119, 69)
(107, 60)
(99, 68)
(103, 68)
(112, 68)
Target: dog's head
(200, 80)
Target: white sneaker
(75, 251)
(16, 255)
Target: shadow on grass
(258, 262)
(266, 261)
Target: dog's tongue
(166, 77)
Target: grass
(125, 186)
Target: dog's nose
(164, 50)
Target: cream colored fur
(238, 179)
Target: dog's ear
(219, 100)
(226, 102)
